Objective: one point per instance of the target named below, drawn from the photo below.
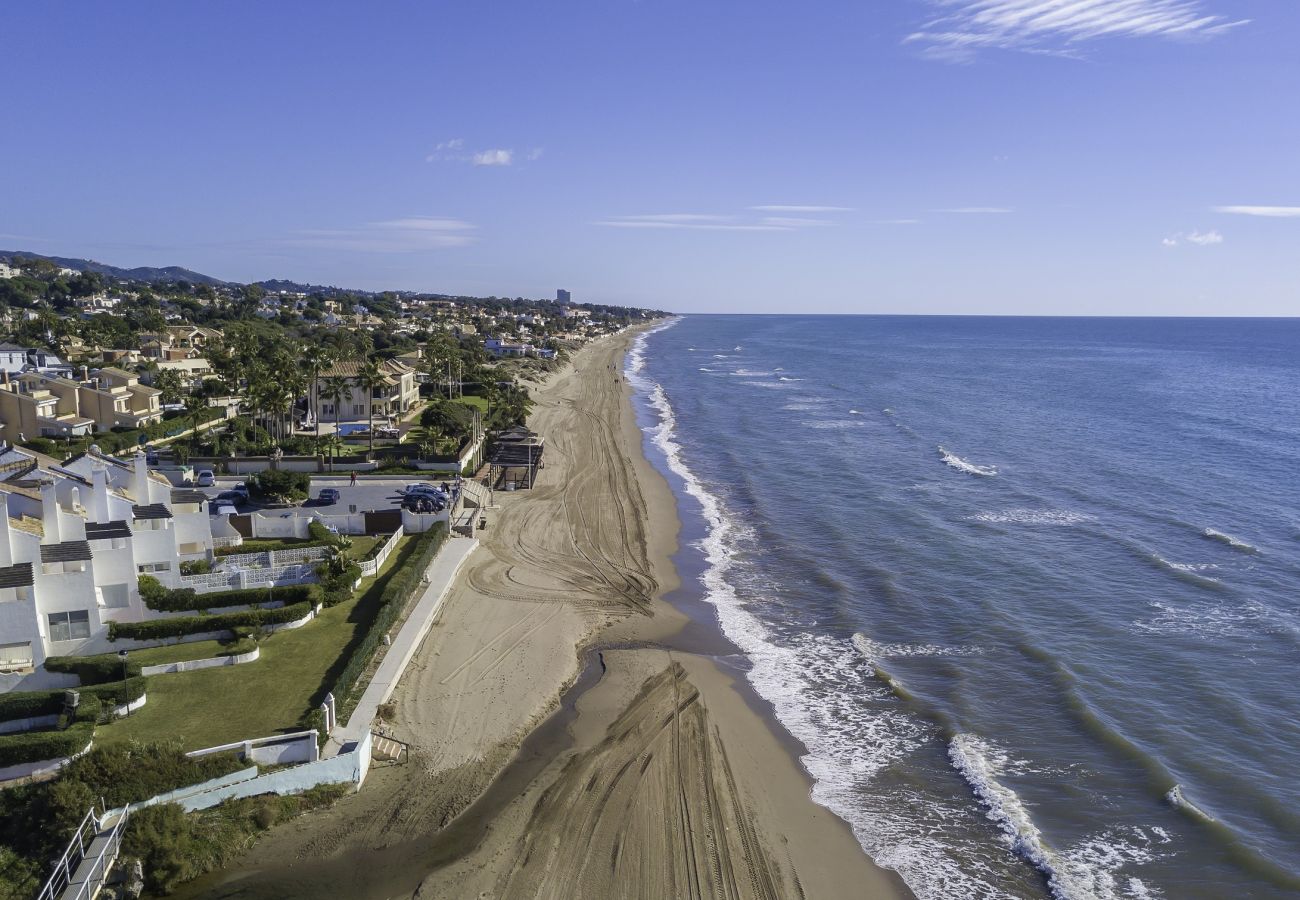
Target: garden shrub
(156, 629)
(279, 484)
(187, 599)
(34, 746)
(99, 669)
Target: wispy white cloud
(406, 235)
(1199, 238)
(1269, 212)
(896, 222)
(495, 157)
(781, 208)
(962, 28)
(455, 150)
(974, 210)
(688, 221)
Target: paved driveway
(366, 495)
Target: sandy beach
(563, 741)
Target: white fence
(273, 558)
(371, 566)
(240, 578)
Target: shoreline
(557, 665)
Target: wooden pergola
(516, 449)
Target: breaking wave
(962, 465)
(1231, 541)
(1089, 871)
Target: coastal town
(228, 517)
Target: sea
(1025, 591)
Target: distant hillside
(294, 287)
(143, 273)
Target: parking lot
(367, 494)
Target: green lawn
(296, 669)
(480, 402)
(362, 544)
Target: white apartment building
(74, 539)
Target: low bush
(99, 669)
(156, 629)
(34, 746)
(41, 445)
(196, 567)
(29, 704)
(401, 586)
(175, 847)
(321, 535)
(187, 599)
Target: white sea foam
(753, 373)
(770, 385)
(874, 651)
(962, 465)
(783, 378)
(1033, 517)
(1087, 871)
(832, 424)
(854, 412)
(1231, 541)
(803, 406)
(1216, 620)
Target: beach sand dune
(657, 780)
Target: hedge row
(35, 746)
(29, 704)
(155, 629)
(93, 669)
(164, 599)
(401, 586)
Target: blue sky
(927, 156)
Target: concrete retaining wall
(212, 662)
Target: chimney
(6, 548)
(85, 373)
(99, 495)
(140, 480)
(50, 514)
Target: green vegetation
(165, 599)
(191, 650)
(122, 439)
(277, 693)
(27, 704)
(279, 485)
(157, 629)
(175, 847)
(37, 820)
(392, 602)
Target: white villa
(74, 539)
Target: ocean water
(1027, 590)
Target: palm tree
(334, 388)
(194, 406)
(371, 377)
(317, 357)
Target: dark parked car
(234, 498)
(329, 495)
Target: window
(358, 409)
(16, 656)
(70, 626)
(118, 544)
(154, 567)
(327, 409)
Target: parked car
(234, 498)
(205, 478)
(329, 495)
(423, 488)
(223, 509)
(423, 503)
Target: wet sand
(540, 767)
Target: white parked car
(205, 478)
(224, 509)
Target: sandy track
(652, 811)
